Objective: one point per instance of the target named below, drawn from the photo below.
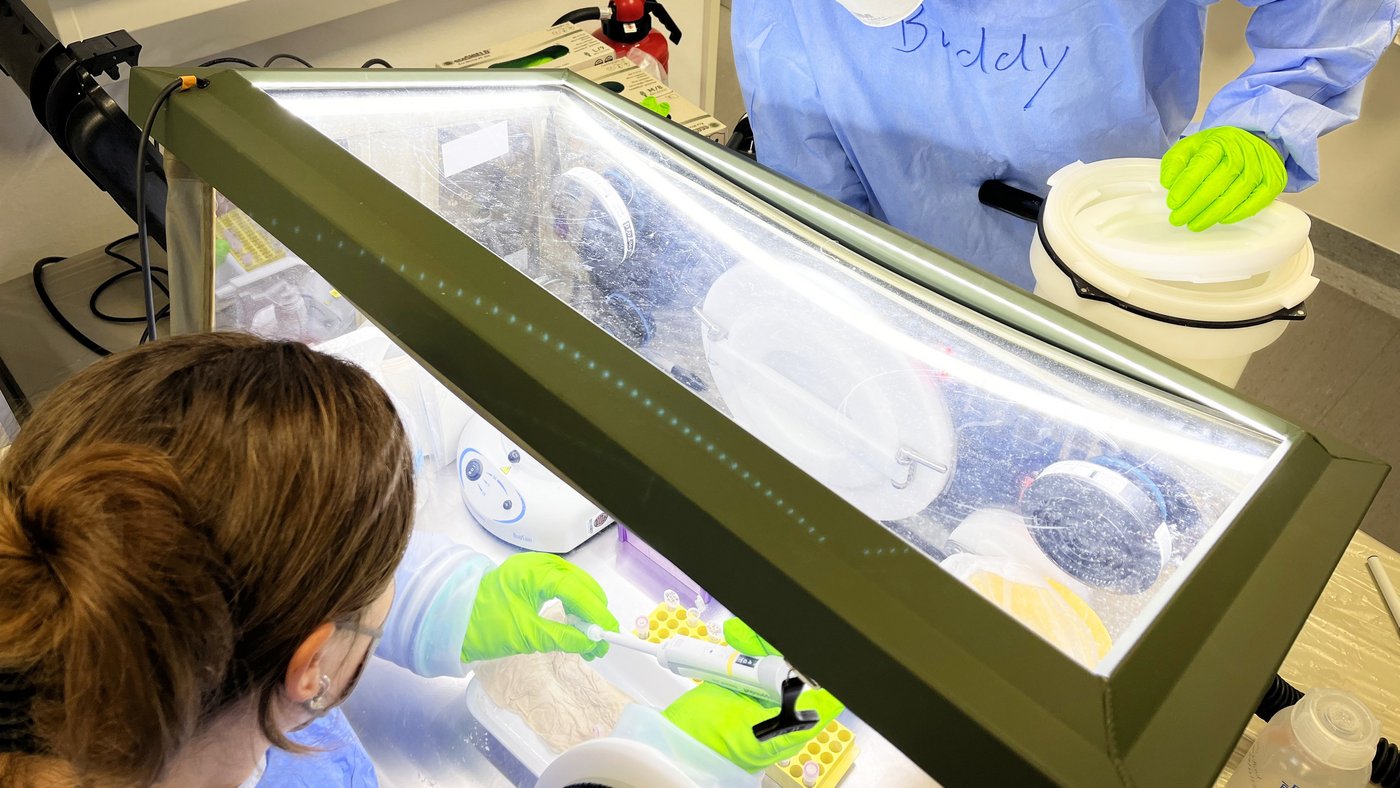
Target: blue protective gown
(905, 122)
(338, 759)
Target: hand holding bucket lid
(1117, 211)
(1107, 252)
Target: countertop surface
(1350, 642)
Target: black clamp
(103, 54)
(788, 719)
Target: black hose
(1385, 769)
(1278, 697)
(580, 15)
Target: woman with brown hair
(198, 541)
(204, 540)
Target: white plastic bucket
(1208, 301)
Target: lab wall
(48, 207)
(1360, 184)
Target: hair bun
(147, 613)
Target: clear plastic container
(1326, 740)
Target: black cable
(142, 234)
(73, 331)
(111, 251)
(113, 280)
(161, 315)
(374, 61)
(285, 56)
(54, 312)
(240, 61)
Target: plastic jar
(1326, 740)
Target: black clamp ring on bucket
(1031, 207)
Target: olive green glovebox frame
(961, 688)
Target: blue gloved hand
(1220, 175)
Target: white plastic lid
(1118, 211)
(1336, 728)
(880, 13)
(800, 363)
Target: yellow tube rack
(666, 620)
(834, 750)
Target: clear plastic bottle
(1326, 740)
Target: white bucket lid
(798, 361)
(1118, 210)
(1188, 276)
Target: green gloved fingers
(1220, 176)
(505, 618)
(723, 720)
(742, 638)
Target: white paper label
(476, 148)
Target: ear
(303, 679)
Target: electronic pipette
(769, 678)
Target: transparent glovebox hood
(1072, 498)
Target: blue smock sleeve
(337, 758)
(435, 587)
(792, 132)
(1311, 58)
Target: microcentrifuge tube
(810, 772)
(672, 599)
(693, 613)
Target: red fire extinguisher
(627, 28)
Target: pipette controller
(758, 677)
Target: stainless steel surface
(36, 349)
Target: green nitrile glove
(505, 618)
(662, 108)
(1220, 175)
(723, 720)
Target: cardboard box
(628, 80)
(562, 46)
(570, 46)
